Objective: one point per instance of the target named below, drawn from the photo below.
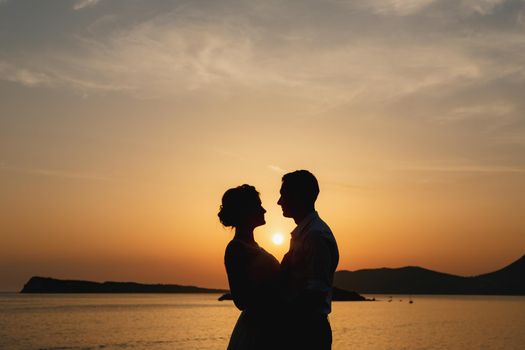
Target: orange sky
(122, 125)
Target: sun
(277, 238)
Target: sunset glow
(123, 123)
(277, 238)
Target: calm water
(147, 321)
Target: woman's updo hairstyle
(237, 204)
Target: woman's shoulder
(233, 245)
(238, 245)
(237, 249)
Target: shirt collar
(304, 222)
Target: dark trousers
(308, 332)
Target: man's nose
(279, 201)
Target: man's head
(299, 191)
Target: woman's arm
(236, 259)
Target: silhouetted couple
(286, 305)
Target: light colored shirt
(312, 259)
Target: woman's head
(241, 206)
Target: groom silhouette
(307, 269)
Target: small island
(410, 280)
(52, 285)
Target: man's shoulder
(319, 225)
(319, 229)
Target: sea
(200, 321)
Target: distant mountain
(52, 285)
(509, 280)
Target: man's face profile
(286, 201)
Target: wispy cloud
(498, 112)
(253, 48)
(81, 4)
(464, 169)
(23, 76)
(415, 7)
(56, 173)
(276, 168)
(389, 7)
(163, 56)
(482, 7)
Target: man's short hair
(301, 184)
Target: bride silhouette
(252, 271)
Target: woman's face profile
(256, 218)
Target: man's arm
(317, 264)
